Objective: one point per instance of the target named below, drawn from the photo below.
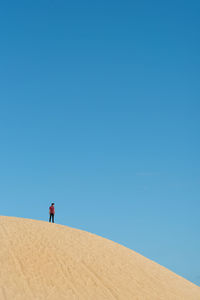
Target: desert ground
(39, 260)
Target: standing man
(51, 212)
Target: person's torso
(52, 209)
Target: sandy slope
(39, 260)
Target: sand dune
(39, 260)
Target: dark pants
(51, 217)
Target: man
(51, 212)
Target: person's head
(52, 204)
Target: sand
(39, 260)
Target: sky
(99, 113)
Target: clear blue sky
(99, 113)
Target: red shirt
(52, 209)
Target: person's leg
(53, 218)
(49, 217)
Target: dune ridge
(39, 260)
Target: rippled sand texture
(39, 260)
